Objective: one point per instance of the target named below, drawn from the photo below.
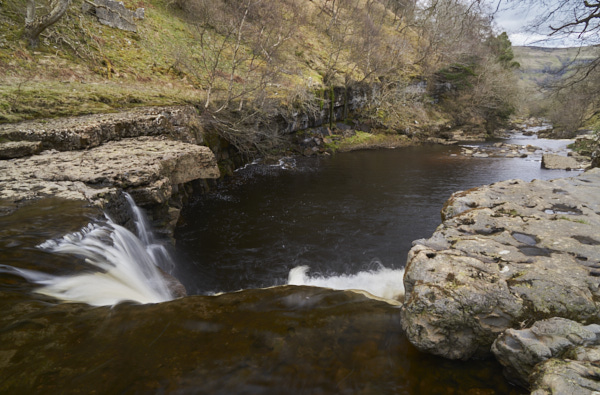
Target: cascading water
(383, 282)
(126, 267)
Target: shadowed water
(356, 212)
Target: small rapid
(122, 266)
(382, 282)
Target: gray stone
(149, 168)
(19, 149)
(556, 376)
(520, 350)
(88, 131)
(558, 162)
(113, 13)
(517, 253)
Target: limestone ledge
(150, 168)
(507, 255)
(88, 131)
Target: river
(346, 221)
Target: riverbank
(155, 154)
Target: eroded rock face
(507, 255)
(519, 351)
(149, 152)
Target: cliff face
(150, 153)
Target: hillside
(83, 67)
(242, 63)
(542, 66)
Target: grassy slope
(83, 67)
(541, 65)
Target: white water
(125, 266)
(383, 282)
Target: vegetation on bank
(248, 66)
(555, 88)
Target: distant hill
(540, 66)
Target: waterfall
(382, 282)
(126, 267)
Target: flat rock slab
(506, 255)
(19, 149)
(88, 131)
(149, 167)
(559, 162)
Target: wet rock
(519, 351)
(556, 376)
(516, 254)
(437, 140)
(295, 339)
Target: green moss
(580, 221)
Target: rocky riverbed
(505, 257)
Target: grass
(83, 67)
(364, 140)
(579, 221)
(51, 99)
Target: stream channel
(345, 222)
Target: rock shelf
(506, 256)
(150, 153)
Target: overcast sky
(516, 17)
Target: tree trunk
(34, 26)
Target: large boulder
(114, 14)
(506, 256)
(519, 351)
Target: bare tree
(35, 25)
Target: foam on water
(125, 267)
(382, 282)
